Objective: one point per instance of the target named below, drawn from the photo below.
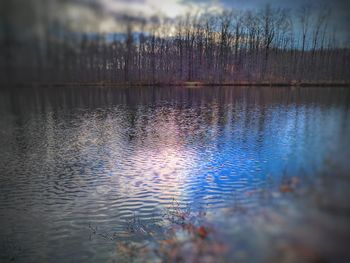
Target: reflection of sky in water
(206, 154)
(249, 148)
(73, 157)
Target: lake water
(78, 164)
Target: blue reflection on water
(75, 156)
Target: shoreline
(182, 84)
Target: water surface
(72, 158)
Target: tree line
(267, 45)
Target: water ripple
(65, 165)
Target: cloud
(110, 15)
(340, 19)
(148, 8)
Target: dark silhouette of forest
(270, 45)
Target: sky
(172, 8)
(108, 15)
